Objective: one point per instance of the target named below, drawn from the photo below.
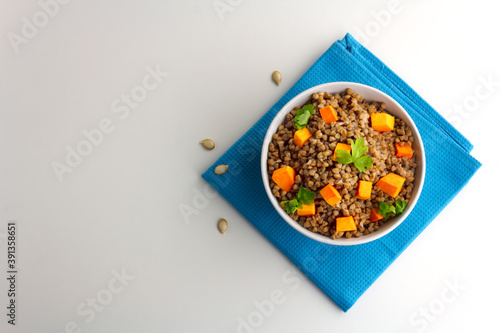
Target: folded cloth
(343, 273)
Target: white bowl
(370, 94)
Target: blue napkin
(343, 273)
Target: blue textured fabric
(345, 272)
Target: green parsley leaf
(291, 206)
(384, 209)
(306, 196)
(358, 148)
(362, 163)
(302, 119)
(400, 206)
(302, 116)
(356, 156)
(308, 107)
(344, 157)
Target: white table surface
(118, 210)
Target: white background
(119, 210)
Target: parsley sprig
(304, 197)
(356, 156)
(385, 209)
(302, 116)
(400, 206)
(291, 206)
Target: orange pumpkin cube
(402, 151)
(391, 184)
(301, 136)
(284, 177)
(341, 146)
(374, 215)
(382, 122)
(346, 223)
(328, 114)
(364, 190)
(330, 194)
(306, 210)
